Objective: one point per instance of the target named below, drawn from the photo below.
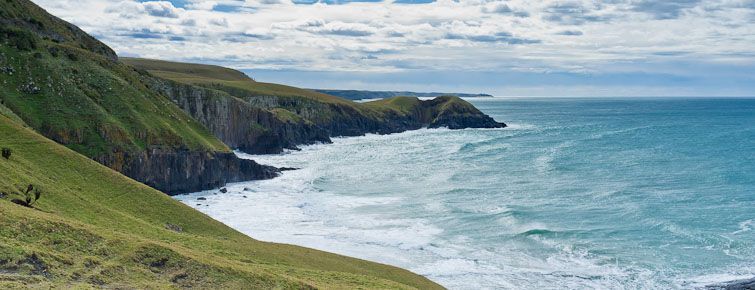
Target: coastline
(393, 216)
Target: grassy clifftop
(95, 227)
(222, 78)
(187, 71)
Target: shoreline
(294, 202)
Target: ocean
(643, 193)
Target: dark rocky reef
(181, 171)
(734, 285)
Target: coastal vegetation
(94, 227)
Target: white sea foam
(744, 227)
(519, 126)
(472, 209)
(295, 209)
(718, 279)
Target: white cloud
(477, 35)
(161, 9)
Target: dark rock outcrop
(449, 112)
(175, 172)
(734, 285)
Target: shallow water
(576, 193)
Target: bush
(30, 196)
(21, 39)
(54, 51)
(6, 153)
(72, 56)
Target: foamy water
(587, 194)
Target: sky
(504, 48)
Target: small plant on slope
(30, 196)
(6, 153)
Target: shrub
(20, 39)
(6, 153)
(54, 51)
(30, 196)
(72, 56)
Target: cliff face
(337, 119)
(454, 113)
(262, 118)
(239, 124)
(175, 172)
(71, 88)
(355, 119)
(380, 117)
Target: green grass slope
(94, 227)
(197, 71)
(224, 78)
(405, 105)
(68, 86)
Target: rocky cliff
(239, 124)
(387, 116)
(71, 88)
(263, 124)
(262, 118)
(181, 171)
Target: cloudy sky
(506, 48)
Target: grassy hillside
(221, 77)
(71, 88)
(24, 18)
(81, 97)
(191, 71)
(95, 227)
(93, 105)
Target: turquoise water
(576, 193)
